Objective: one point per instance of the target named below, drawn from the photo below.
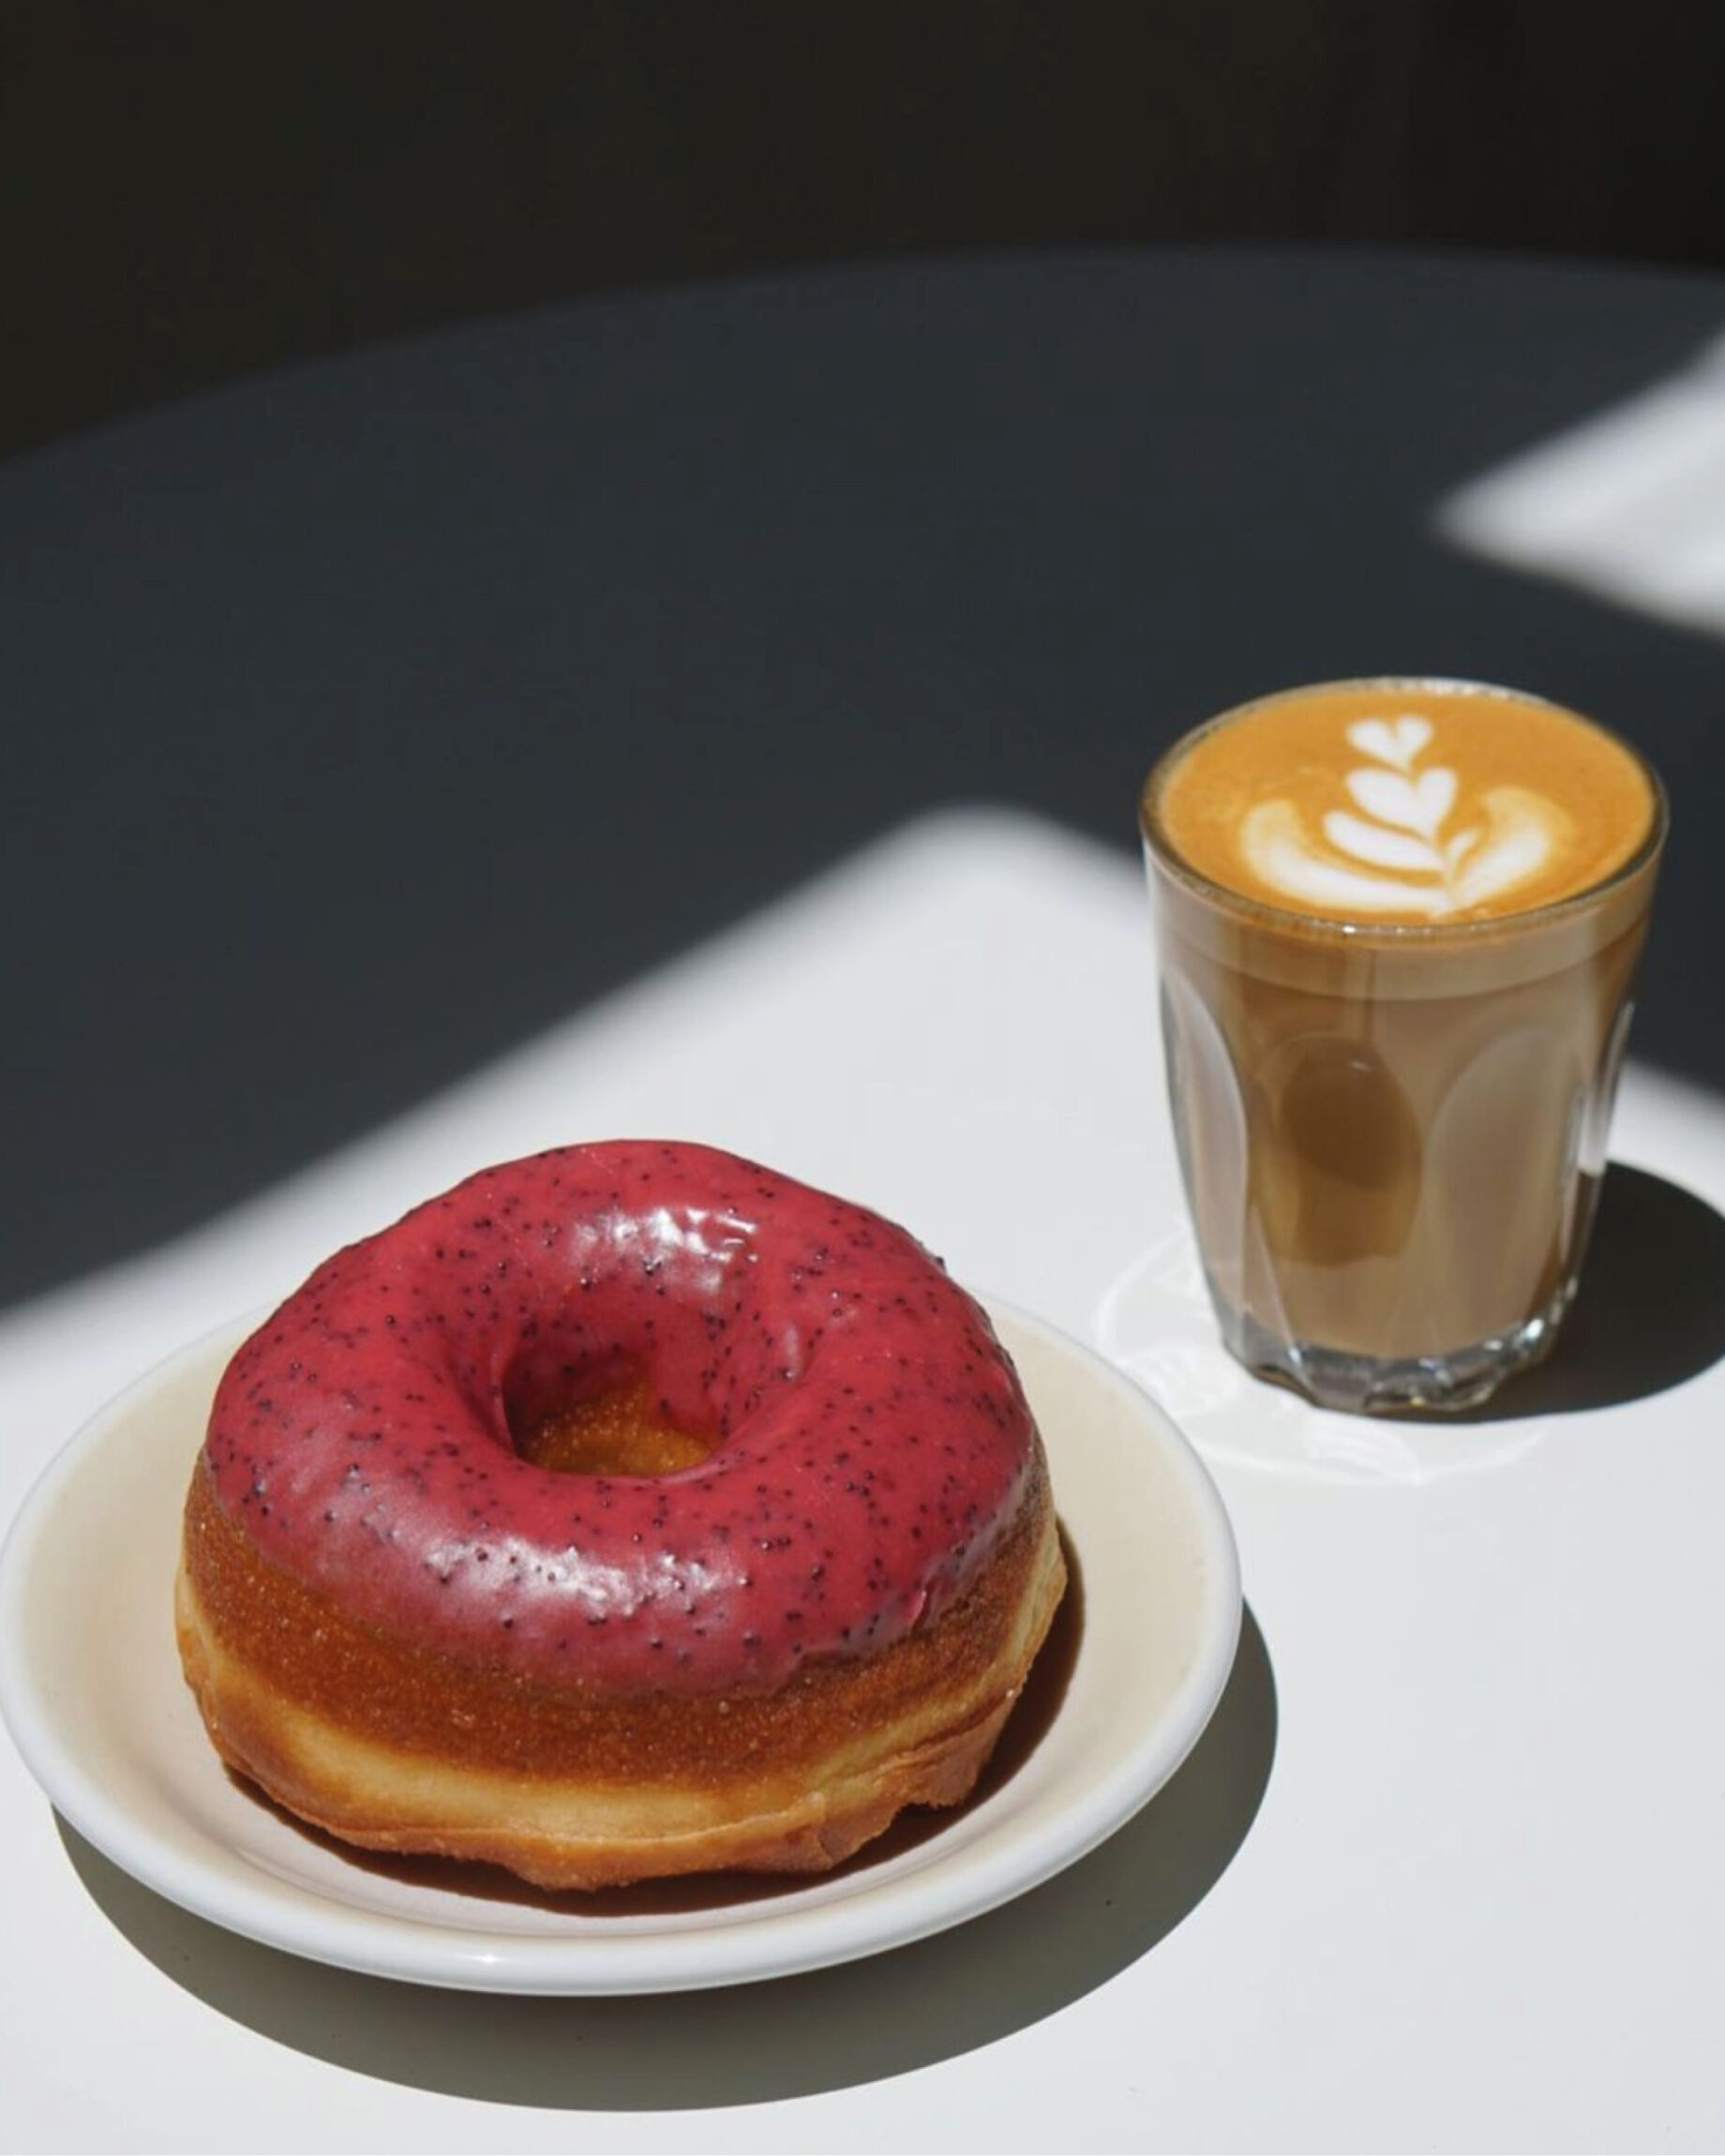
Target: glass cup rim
(1402, 934)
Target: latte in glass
(1398, 923)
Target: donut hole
(621, 1429)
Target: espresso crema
(1404, 802)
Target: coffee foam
(1403, 802)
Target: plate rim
(773, 1939)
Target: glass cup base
(1370, 1384)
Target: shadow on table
(758, 2043)
(1650, 1311)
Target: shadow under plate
(753, 2044)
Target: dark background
(829, 414)
(194, 189)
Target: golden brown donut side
(391, 1748)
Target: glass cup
(1392, 1132)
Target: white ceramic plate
(90, 1683)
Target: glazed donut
(628, 1510)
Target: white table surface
(1448, 1870)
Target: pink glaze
(873, 1442)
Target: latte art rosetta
(1400, 803)
(1401, 846)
